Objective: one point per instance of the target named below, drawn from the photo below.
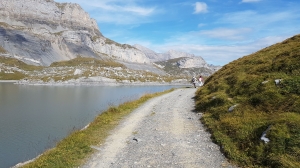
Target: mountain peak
(41, 32)
(58, 16)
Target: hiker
(200, 81)
(194, 81)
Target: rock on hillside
(40, 32)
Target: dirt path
(164, 132)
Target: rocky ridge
(156, 57)
(183, 60)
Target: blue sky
(220, 31)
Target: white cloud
(226, 33)
(222, 54)
(246, 1)
(201, 25)
(212, 54)
(263, 24)
(217, 54)
(117, 11)
(119, 6)
(200, 7)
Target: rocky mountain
(152, 55)
(177, 60)
(43, 32)
(192, 62)
(171, 54)
(40, 32)
(156, 57)
(185, 66)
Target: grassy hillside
(86, 61)
(249, 84)
(13, 69)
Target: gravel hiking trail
(163, 132)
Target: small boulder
(232, 108)
(78, 72)
(277, 81)
(264, 134)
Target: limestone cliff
(43, 31)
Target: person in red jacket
(200, 81)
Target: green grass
(109, 41)
(11, 76)
(12, 62)
(75, 149)
(260, 104)
(87, 61)
(3, 24)
(61, 6)
(2, 50)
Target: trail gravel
(163, 132)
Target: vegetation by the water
(16, 68)
(13, 69)
(76, 148)
(88, 61)
(249, 83)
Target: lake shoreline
(117, 115)
(8, 81)
(97, 81)
(56, 119)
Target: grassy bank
(261, 105)
(13, 73)
(76, 148)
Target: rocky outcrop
(52, 16)
(192, 62)
(171, 54)
(40, 32)
(178, 59)
(156, 57)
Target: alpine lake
(33, 118)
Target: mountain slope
(40, 32)
(152, 55)
(252, 106)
